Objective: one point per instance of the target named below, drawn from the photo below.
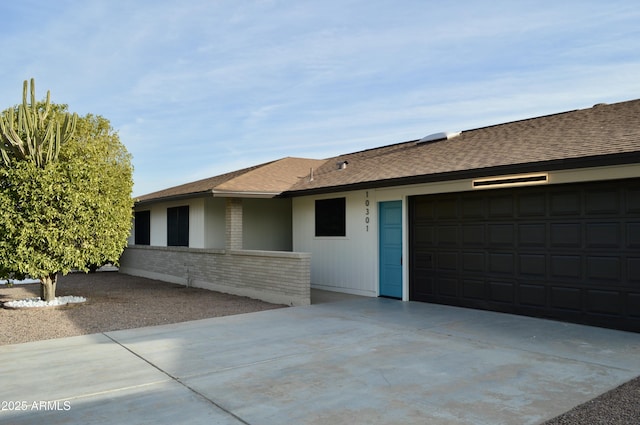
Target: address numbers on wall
(366, 210)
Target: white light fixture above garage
(508, 181)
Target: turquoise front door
(390, 219)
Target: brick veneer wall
(233, 218)
(272, 276)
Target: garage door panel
(423, 261)
(474, 208)
(565, 203)
(633, 270)
(423, 211)
(602, 201)
(532, 295)
(600, 268)
(474, 235)
(566, 235)
(532, 235)
(532, 205)
(502, 263)
(423, 290)
(447, 287)
(501, 206)
(447, 235)
(633, 235)
(532, 265)
(446, 208)
(502, 292)
(633, 199)
(473, 289)
(563, 298)
(447, 261)
(569, 252)
(423, 235)
(603, 235)
(633, 305)
(566, 267)
(604, 302)
(474, 262)
(502, 234)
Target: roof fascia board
(243, 194)
(171, 198)
(209, 193)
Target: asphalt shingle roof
(268, 179)
(602, 131)
(599, 131)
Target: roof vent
(342, 165)
(445, 135)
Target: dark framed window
(331, 217)
(178, 226)
(142, 229)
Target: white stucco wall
(214, 223)
(266, 224)
(345, 264)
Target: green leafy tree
(65, 199)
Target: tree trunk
(48, 287)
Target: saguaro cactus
(33, 137)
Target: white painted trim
(503, 181)
(240, 194)
(613, 172)
(405, 248)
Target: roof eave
(244, 194)
(552, 165)
(210, 193)
(170, 198)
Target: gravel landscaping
(620, 406)
(116, 301)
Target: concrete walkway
(357, 361)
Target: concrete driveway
(356, 361)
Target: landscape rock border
(39, 303)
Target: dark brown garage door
(569, 252)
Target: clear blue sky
(201, 87)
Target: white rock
(37, 302)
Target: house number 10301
(366, 210)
